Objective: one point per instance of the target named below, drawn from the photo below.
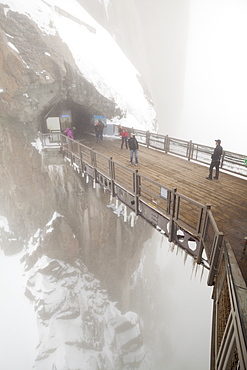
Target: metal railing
(184, 221)
(229, 336)
(50, 140)
(230, 162)
(189, 225)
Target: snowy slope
(96, 54)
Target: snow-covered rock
(54, 52)
(79, 327)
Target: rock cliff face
(38, 72)
(79, 327)
(74, 247)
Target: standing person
(101, 129)
(133, 146)
(215, 160)
(69, 133)
(97, 131)
(124, 133)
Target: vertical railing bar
(222, 159)
(199, 221)
(215, 257)
(172, 214)
(137, 191)
(112, 176)
(189, 150)
(177, 208)
(201, 231)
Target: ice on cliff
(79, 327)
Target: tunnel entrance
(69, 114)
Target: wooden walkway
(227, 196)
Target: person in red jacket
(124, 133)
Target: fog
(19, 335)
(175, 304)
(197, 58)
(195, 68)
(192, 57)
(167, 290)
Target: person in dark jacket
(101, 130)
(133, 146)
(215, 160)
(97, 131)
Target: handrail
(229, 324)
(162, 207)
(153, 197)
(230, 161)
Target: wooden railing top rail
(230, 162)
(229, 333)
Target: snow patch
(13, 47)
(4, 224)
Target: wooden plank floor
(227, 196)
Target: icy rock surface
(79, 327)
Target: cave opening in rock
(74, 115)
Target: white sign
(163, 193)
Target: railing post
(70, 145)
(112, 175)
(190, 150)
(222, 159)
(214, 260)
(172, 214)
(136, 190)
(147, 138)
(61, 144)
(203, 233)
(94, 164)
(205, 225)
(41, 137)
(81, 160)
(93, 157)
(166, 145)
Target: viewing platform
(227, 195)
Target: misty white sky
(197, 55)
(216, 74)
